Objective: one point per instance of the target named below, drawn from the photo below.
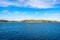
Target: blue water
(29, 31)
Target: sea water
(29, 31)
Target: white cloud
(27, 16)
(54, 0)
(52, 16)
(30, 3)
(16, 12)
(0, 14)
(7, 3)
(36, 13)
(23, 15)
(5, 11)
(40, 3)
(57, 1)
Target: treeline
(29, 21)
(7, 21)
(3, 20)
(38, 21)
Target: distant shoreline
(29, 21)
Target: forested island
(28, 21)
(39, 21)
(7, 21)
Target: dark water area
(29, 31)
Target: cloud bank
(30, 3)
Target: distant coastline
(29, 21)
(7, 21)
(39, 21)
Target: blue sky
(30, 9)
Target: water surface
(29, 31)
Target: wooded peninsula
(29, 21)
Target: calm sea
(29, 31)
